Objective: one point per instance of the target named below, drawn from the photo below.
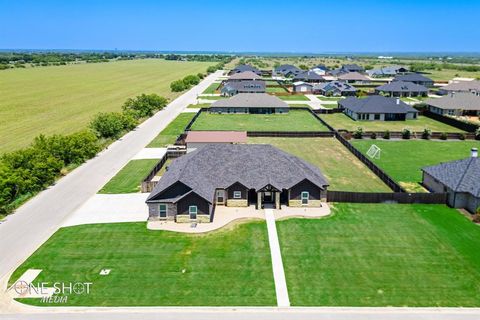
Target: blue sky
(260, 26)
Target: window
(377, 116)
(192, 211)
(305, 196)
(162, 210)
(220, 196)
(237, 195)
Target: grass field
(342, 169)
(295, 120)
(275, 89)
(211, 88)
(342, 121)
(172, 131)
(63, 99)
(403, 159)
(324, 98)
(129, 179)
(296, 97)
(382, 255)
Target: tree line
(191, 80)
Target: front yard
(295, 120)
(294, 97)
(342, 121)
(158, 268)
(382, 255)
(172, 131)
(129, 179)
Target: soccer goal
(374, 152)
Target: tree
(112, 124)
(144, 105)
(303, 67)
(178, 86)
(191, 80)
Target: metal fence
(291, 134)
(392, 197)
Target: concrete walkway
(277, 264)
(150, 153)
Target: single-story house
(245, 67)
(460, 86)
(402, 89)
(456, 104)
(377, 108)
(334, 88)
(460, 179)
(352, 68)
(415, 78)
(301, 86)
(336, 72)
(286, 70)
(320, 69)
(244, 76)
(353, 77)
(234, 175)
(309, 76)
(198, 139)
(385, 72)
(231, 88)
(256, 103)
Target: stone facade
(201, 218)
(154, 214)
(298, 203)
(237, 203)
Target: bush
(373, 135)
(477, 134)
(358, 134)
(406, 134)
(200, 75)
(144, 105)
(443, 136)
(462, 136)
(426, 134)
(178, 86)
(191, 80)
(112, 124)
(386, 135)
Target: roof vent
(474, 153)
(398, 101)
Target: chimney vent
(398, 101)
(474, 153)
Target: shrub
(426, 134)
(477, 134)
(373, 135)
(191, 80)
(462, 136)
(112, 124)
(358, 134)
(144, 105)
(386, 135)
(200, 75)
(443, 136)
(406, 133)
(476, 217)
(178, 86)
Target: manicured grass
(212, 88)
(158, 268)
(172, 131)
(382, 255)
(342, 121)
(129, 179)
(198, 105)
(295, 120)
(211, 97)
(63, 99)
(324, 98)
(296, 97)
(403, 159)
(275, 89)
(330, 106)
(342, 169)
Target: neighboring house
(353, 77)
(386, 72)
(402, 89)
(460, 86)
(245, 67)
(334, 88)
(459, 179)
(309, 76)
(456, 104)
(301, 86)
(231, 88)
(198, 139)
(352, 68)
(337, 72)
(245, 75)
(286, 70)
(256, 103)
(234, 175)
(415, 78)
(320, 69)
(377, 108)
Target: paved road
(33, 223)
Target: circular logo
(21, 287)
(78, 288)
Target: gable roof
(287, 67)
(302, 83)
(216, 136)
(245, 67)
(221, 165)
(245, 86)
(321, 67)
(402, 86)
(458, 100)
(412, 77)
(460, 176)
(352, 67)
(251, 100)
(335, 85)
(376, 104)
(462, 86)
(308, 75)
(387, 71)
(245, 75)
(353, 76)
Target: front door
(220, 196)
(267, 197)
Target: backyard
(403, 159)
(173, 130)
(342, 121)
(342, 169)
(382, 255)
(294, 97)
(129, 179)
(295, 120)
(158, 268)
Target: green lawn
(211, 88)
(295, 120)
(324, 98)
(295, 97)
(403, 159)
(342, 169)
(129, 179)
(225, 268)
(342, 121)
(212, 97)
(198, 105)
(382, 255)
(275, 89)
(172, 131)
(63, 99)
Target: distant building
(415, 78)
(245, 67)
(334, 88)
(245, 75)
(231, 88)
(286, 70)
(460, 86)
(386, 72)
(256, 103)
(377, 108)
(353, 77)
(320, 69)
(303, 87)
(456, 104)
(402, 89)
(198, 139)
(352, 68)
(309, 76)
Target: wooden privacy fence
(418, 135)
(393, 197)
(469, 127)
(328, 111)
(147, 183)
(291, 134)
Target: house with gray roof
(286, 70)
(460, 86)
(456, 104)
(231, 88)
(415, 78)
(245, 67)
(255, 103)
(459, 179)
(385, 72)
(335, 89)
(309, 76)
(244, 76)
(378, 108)
(320, 69)
(352, 68)
(353, 77)
(402, 89)
(303, 87)
(234, 175)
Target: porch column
(277, 200)
(259, 200)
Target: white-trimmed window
(162, 210)
(192, 212)
(237, 194)
(305, 195)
